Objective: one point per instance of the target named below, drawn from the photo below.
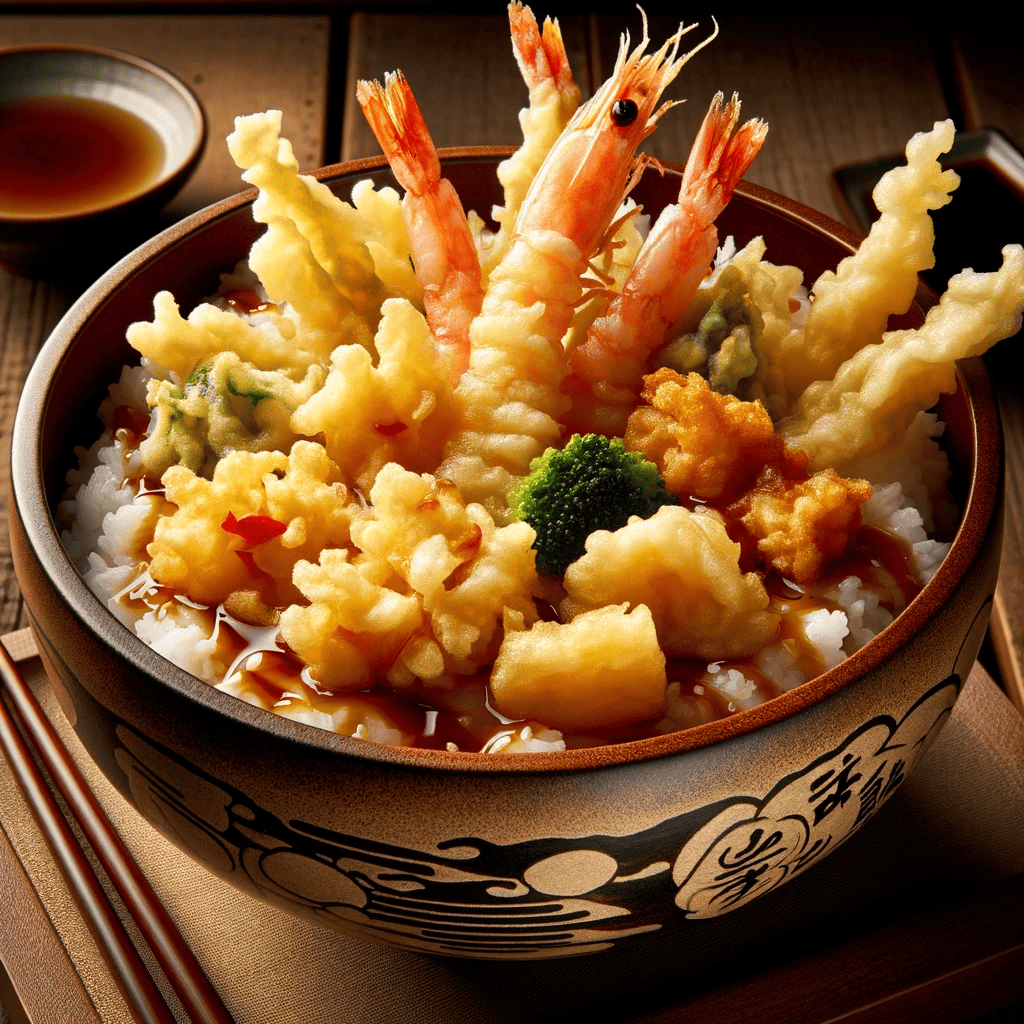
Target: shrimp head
(591, 167)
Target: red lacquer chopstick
(192, 987)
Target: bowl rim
(180, 167)
(29, 502)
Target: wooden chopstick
(192, 987)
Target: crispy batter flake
(705, 445)
(683, 566)
(803, 525)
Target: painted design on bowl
(753, 846)
(546, 896)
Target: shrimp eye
(624, 112)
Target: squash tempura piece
(603, 668)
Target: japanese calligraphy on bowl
(753, 846)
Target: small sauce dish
(93, 143)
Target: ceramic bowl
(465, 854)
(32, 242)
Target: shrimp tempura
(442, 245)
(511, 396)
(554, 98)
(609, 366)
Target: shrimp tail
(399, 127)
(721, 154)
(541, 54)
(554, 98)
(440, 238)
(558, 61)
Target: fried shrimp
(554, 98)
(541, 56)
(511, 395)
(442, 244)
(607, 369)
(591, 167)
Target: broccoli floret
(593, 483)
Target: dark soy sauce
(62, 155)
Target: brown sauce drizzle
(246, 301)
(436, 718)
(263, 671)
(885, 553)
(136, 422)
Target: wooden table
(834, 90)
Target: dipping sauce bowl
(93, 143)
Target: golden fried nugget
(466, 571)
(705, 445)
(684, 568)
(803, 525)
(604, 666)
(717, 448)
(426, 592)
(215, 543)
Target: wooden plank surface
(467, 82)
(28, 311)
(235, 65)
